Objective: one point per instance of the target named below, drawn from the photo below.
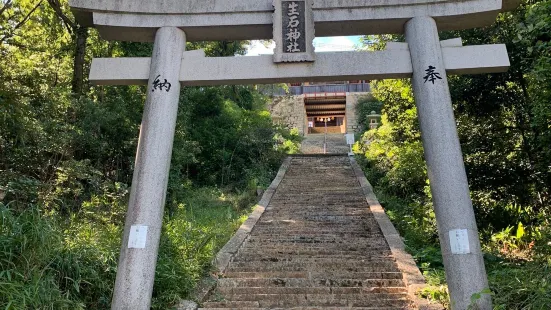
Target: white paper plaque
(459, 241)
(138, 237)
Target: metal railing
(310, 89)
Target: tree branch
(21, 23)
(6, 6)
(56, 6)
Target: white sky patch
(258, 48)
(334, 44)
(323, 44)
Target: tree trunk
(81, 39)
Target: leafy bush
(515, 234)
(364, 107)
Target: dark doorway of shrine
(326, 112)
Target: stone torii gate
(293, 25)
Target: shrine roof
(137, 20)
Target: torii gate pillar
(142, 230)
(463, 261)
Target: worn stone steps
(324, 239)
(317, 246)
(321, 262)
(310, 253)
(312, 290)
(267, 303)
(300, 282)
(320, 248)
(313, 275)
(298, 248)
(311, 308)
(358, 221)
(268, 300)
(304, 259)
(370, 266)
(338, 206)
(313, 143)
(306, 233)
(327, 269)
(301, 299)
(327, 198)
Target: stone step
(299, 199)
(311, 290)
(312, 225)
(349, 266)
(332, 186)
(314, 308)
(312, 221)
(327, 193)
(358, 259)
(319, 247)
(262, 234)
(318, 272)
(274, 300)
(323, 170)
(300, 299)
(273, 235)
(231, 304)
(298, 282)
(294, 202)
(276, 239)
(273, 263)
(339, 209)
(339, 230)
(314, 275)
(312, 239)
(292, 244)
(309, 228)
(246, 257)
(325, 302)
(306, 271)
(316, 204)
(244, 252)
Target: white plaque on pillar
(293, 31)
(138, 237)
(459, 241)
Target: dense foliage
(504, 123)
(67, 154)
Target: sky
(322, 44)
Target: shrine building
(317, 108)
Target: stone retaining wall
(289, 112)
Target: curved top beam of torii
(211, 20)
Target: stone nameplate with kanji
(293, 31)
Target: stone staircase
(316, 246)
(313, 144)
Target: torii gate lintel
(395, 62)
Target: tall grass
(49, 264)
